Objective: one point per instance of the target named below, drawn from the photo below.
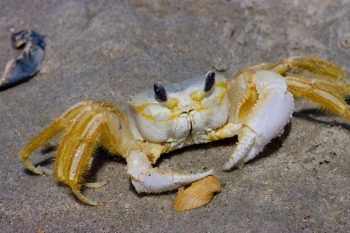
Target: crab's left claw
(147, 179)
(266, 120)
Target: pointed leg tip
(30, 167)
(227, 166)
(45, 171)
(37, 171)
(92, 203)
(84, 199)
(95, 185)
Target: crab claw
(147, 179)
(266, 120)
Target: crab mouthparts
(190, 120)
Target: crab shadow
(315, 114)
(273, 146)
(311, 114)
(101, 158)
(45, 162)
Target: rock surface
(111, 49)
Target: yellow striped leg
(328, 96)
(75, 156)
(42, 138)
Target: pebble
(345, 42)
(229, 29)
(220, 65)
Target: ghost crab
(256, 105)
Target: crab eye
(209, 81)
(160, 92)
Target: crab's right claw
(147, 179)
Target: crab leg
(315, 65)
(75, 156)
(147, 179)
(327, 95)
(267, 119)
(70, 142)
(42, 138)
(311, 64)
(82, 158)
(99, 124)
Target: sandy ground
(110, 50)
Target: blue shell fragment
(26, 64)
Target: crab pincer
(27, 62)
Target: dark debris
(26, 64)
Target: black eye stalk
(209, 81)
(160, 92)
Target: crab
(256, 105)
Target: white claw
(245, 145)
(148, 179)
(160, 180)
(266, 120)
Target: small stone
(309, 166)
(308, 159)
(345, 43)
(229, 29)
(126, 205)
(219, 65)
